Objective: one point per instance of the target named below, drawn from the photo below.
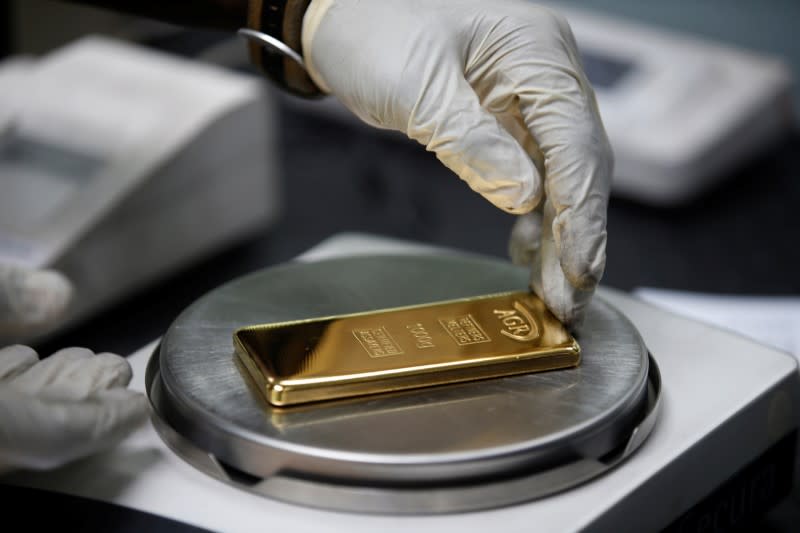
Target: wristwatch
(273, 31)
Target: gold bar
(404, 348)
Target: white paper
(773, 321)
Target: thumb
(472, 143)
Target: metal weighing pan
(451, 448)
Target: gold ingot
(404, 348)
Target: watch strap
(281, 20)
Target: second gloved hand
(65, 407)
(497, 91)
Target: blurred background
(699, 99)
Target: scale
(104, 144)
(720, 450)
(442, 449)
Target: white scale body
(119, 165)
(681, 112)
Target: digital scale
(119, 165)
(668, 424)
(681, 112)
(458, 447)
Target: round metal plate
(465, 435)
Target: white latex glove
(65, 407)
(31, 301)
(497, 91)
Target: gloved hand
(497, 91)
(65, 407)
(31, 301)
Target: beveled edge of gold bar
(404, 379)
(275, 393)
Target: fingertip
(567, 303)
(562, 304)
(126, 409)
(118, 368)
(567, 312)
(17, 350)
(135, 407)
(582, 250)
(16, 359)
(550, 282)
(73, 353)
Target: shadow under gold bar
(404, 348)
